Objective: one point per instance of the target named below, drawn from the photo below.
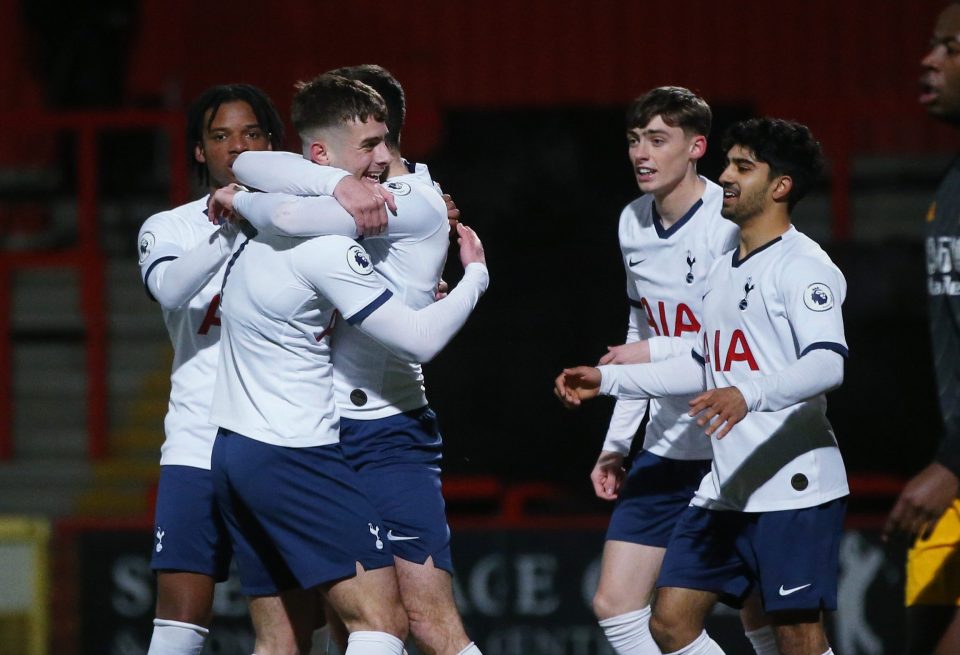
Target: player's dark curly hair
(677, 106)
(211, 99)
(331, 100)
(381, 81)
(789, 148)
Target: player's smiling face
(662, 155)
(746, 185)
(940, 81)
(234, 129)
(357, 147)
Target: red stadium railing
(84, 256)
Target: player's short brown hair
(330, 100)
(677, 106)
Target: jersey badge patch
(359, 260)
(691, 260)
(398, 188)
(146, 244)
(818, 297)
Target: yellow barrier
(24, 586)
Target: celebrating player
(182, 258)
(669, 237)
(294, 507)
(927, 509)
(770, 513)
(388, 432)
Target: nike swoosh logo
(393, 537)
(787, 592)
(634, 263)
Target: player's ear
(782, 187)
(698, 146)
(319, 153)
(199, 154)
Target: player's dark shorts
(296, 516)
(398, 461)
(792, 555)
(654, 495)
(188, 533)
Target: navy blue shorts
(188, 532)
(296, 516)
(398, 461)
(791, 554)
(654, 495)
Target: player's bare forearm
(719, 410)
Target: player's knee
(605, 606)
(436, 625)
(386, 617)
(667, 630)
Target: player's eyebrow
(945, 40)
(371, 142)
(652, 131)
(741, 161)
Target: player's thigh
(369, 601)
(426, 591)
(284, 623)
(628, 573)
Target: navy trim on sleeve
(634, 303)
(665, 233)
(696, 356)
(827, 345)
(369, 309)
(146, 275)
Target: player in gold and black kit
(927, 508)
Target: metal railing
(84, 256)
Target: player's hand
(719, 410)
(627, 353)
(577, 384)
(453, 214)
(220, 204)
(367, 201)
(442, 290)
(607, 475)
(922, 502)
(471, 250)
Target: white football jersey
(371, 381)
(760, 315)
(281, 299)
(194, 331)
(666, 275)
